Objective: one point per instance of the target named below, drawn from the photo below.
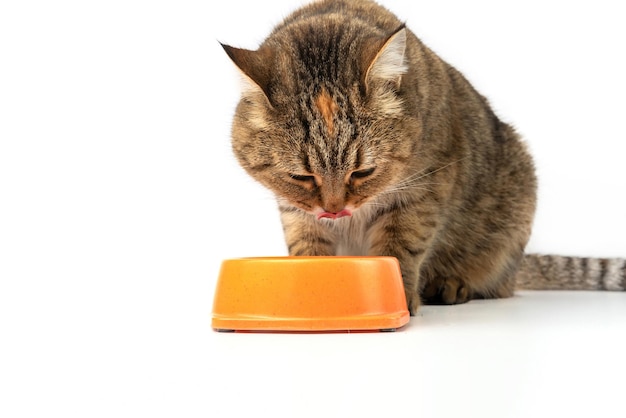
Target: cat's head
(322, 121)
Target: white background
(119, 195)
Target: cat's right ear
(254, 66)
(384, 59)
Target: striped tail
(554, 272)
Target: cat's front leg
(305, 236)
(407, 237)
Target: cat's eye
(303, 178)
(362, 174)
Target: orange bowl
(309, 294)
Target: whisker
(413, 181)
(442, 168)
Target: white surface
(119, 196)
(540, 354)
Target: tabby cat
(375, 146)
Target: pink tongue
(331, 215)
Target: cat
(373, 145)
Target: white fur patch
(390, 62)
(613, 278)
(352, 232)
(257, 117)
(594, 272)
(247, 85)
(257, 114)
(387, 102)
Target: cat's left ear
(385, 60)
(254, 65)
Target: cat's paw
(412, 301)
(449, 291)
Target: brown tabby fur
(347, 112)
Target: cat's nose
(333, 205)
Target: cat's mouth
(332, 215)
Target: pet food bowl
(309, 294)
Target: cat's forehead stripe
(328, 108)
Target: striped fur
(553, 272)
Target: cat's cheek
(309, 208)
